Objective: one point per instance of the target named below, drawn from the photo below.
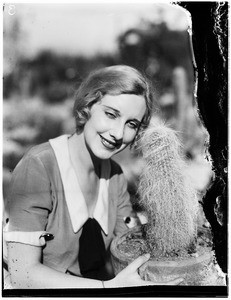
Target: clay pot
(196, 271)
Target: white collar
(74, 198)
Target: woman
(68, 198)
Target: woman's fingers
(130, 277)
(138, 262)
(172, 282)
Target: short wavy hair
(114, 80)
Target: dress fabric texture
(37, 204)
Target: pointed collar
(74, 198)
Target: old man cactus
(166, 194)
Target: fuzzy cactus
(165, 193)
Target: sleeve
(124, 207)
(29, 202)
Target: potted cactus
(170, 203)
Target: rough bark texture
(210, 46)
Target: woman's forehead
(126, 104)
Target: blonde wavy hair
(113, 80)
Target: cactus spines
(165, 193)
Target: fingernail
(147, 255)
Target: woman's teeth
(107, 144)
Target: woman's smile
(109, 144)
(113, 124)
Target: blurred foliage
(51, 76)
(157, 51)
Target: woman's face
(113, 124)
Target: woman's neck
(80, 154)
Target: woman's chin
(103, 152)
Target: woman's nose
(117, 132)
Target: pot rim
(178, 263)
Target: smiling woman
(114, 123)
(115, 80)
(68, 198)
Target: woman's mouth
(108, 144)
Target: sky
(83, 29)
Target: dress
(45, 198)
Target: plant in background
(166, 194)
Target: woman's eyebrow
(137, 121)
(112, 108)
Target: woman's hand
(130, 277)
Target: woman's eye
(110, 115)
(133, 125)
